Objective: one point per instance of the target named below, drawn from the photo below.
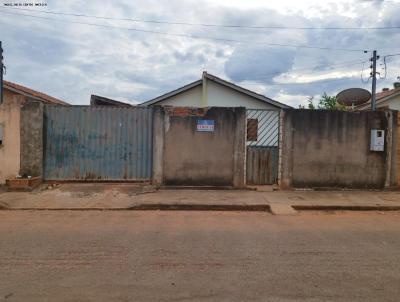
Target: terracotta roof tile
(380, 96)
(383, 94)
(33, 93)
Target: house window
(252, 129)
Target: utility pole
(373, 74)
(1, 73)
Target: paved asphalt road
(198, 256)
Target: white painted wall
(189, 98)
(217, 96)
(222, 96)
(392, 103)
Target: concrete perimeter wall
(322, 148)
(190, 157)
(32, 139)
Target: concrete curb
(203, 207)
(345, 208)
(160, 207)
(212, 207)
(205, 188)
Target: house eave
(171, 93)
(378, 102)
(222, 82)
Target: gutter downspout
(204, 94)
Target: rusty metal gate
(262, 146)
(97, 143)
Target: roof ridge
(220, 81)
(248, 90)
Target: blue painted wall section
(97, 143)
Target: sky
(71, 57)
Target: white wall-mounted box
(377, 140)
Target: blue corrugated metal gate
(97, 143)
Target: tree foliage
(325, 102)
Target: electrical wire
(188, 35)
(384, 62)
(268, 76)
(301, 83)
(279, 27)
(259, 80)
(362, 73)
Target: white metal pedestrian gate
(262, 146)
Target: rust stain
(186, 111)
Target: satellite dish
(353, 96)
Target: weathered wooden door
(262, 147)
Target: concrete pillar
(239, 151)
(31, 124)
(391, 148)
(280, 142)
(158, 145)
(286, 150)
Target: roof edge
(220, 81)
(171, 93)
(33, 94)
(247, 91)
(379, 101)
(96, 99)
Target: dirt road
(198, 256)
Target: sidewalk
(135, 197)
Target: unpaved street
(198, 256)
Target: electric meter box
(377, 140)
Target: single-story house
(14, 97)
(386, 99)
(262, 115)
(212, 91)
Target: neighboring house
(211, 91)
(96, 100)
(386, 99)
(14, 97)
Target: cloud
(72, 61)
(254, 63)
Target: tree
(325, 102)
(310, 104)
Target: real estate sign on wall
(205, 125)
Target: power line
(302, 83)
(259, 80)
(384, 62)
(267, 76)
(188, 35)
(362, 75)
(279, 27)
